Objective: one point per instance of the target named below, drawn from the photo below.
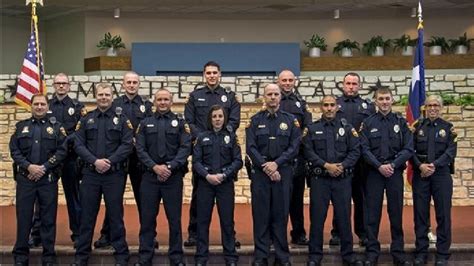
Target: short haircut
(209, 115)
(434, 97)
(103, 86)
(351, 74)
(61, 74)
(382, 91)
(36, 95)
(329, 96)
(163, 89)
(211, 63)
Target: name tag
(318, 132)
(150, 125)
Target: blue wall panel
(234, 58)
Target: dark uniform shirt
(202, 99)
(135, 109)
(104, 135)
(67, 111)
(294, 104)
(272, 137)
(354, 109)
(163, 139)
(38, 141)
(331, 141)
(435, 142)
(216, 153)
(386, 139)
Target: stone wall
(462, 117)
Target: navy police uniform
(195, 112)
(271, 137)
(100, 135)
(355, 110)
(135, 110)
(68, 112)
(216, 153)
(435, 142)
(294, 104)
(330, 141)
(386, 139)
(162, 139)
(39, 142)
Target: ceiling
(240, 9)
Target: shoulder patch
(354, 132)
(361, 127)
(305, 132)
(129, 124)
(297, 124)
(248, 124)
(454, 134)
(138, 129)
(78, 126)
(63, 131)
(186, 128)
(83, 111)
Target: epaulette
(75, 102)
(398, 114)
(229, 129)
(367, 100)
(179, 116)
(419, 121)
(343, 122)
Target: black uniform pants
(323, 190)
(70, 183)
(45, 192)
(377, 184)
(440, 187)
(297, 198)
(135, 173)
(152, 192)
(192, 227)
(270, 208)
(93, 186)
(223, 195)
(358, 197)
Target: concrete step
(462, 255)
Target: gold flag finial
(34, 2)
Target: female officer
(217, 159)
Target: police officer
(217, 159)
(354, 109)
(134, 108)
(435, 147)
(332, 149)
(273, 138)
(103, 141)
(294, 104)
(36, 150)
(195, 113)
(68, 111)
(163, 146)
(387, 144)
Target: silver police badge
(442, 133)
(364, 105)
(396, 128)
(174, 123)
(25, 130)
(142, 108)
(70, 111)
(224, 98)
(90, 121)
(421, 133)
(283, 126)
(341, 131)
(115, 120)
(298, 104)
(226, 139)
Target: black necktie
(101, 138)
(162, 136)
(330, 148)
(385, 131)
(36, 148)
(431, 142)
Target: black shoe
(260, 263)
(352, 263)
(237, 244)
(201, 264)
(138, 264)
(24, 263)
(121, 263)
(231, 263)
(156, 244)
(419, 262)
(77, 263)
(441, 262)
(363, 242)
(102, 242)
(34, 242)
(48, 264)
(401, 262)
(300, 241)
(191, 242)
(313, 263)
(179, 264)
(370, 263)
(334, 241)
(279, 263)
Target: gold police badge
(283, 126)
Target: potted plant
(405, 43)
(437, 45)
(112, 44)
(344, 48)
(461, 45)
(316, 44)
(376, 46)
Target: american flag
(31, 79)
(417, 94)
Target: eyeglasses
(287, 80)
(131, 82)
(432, 106)
(329, 104)
(61, 83)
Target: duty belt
(113, 167)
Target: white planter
(378, 51)
(408, 51)
(111, 52)
(435, 50)
(346, 52)
(460, 49)
(314, 52)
